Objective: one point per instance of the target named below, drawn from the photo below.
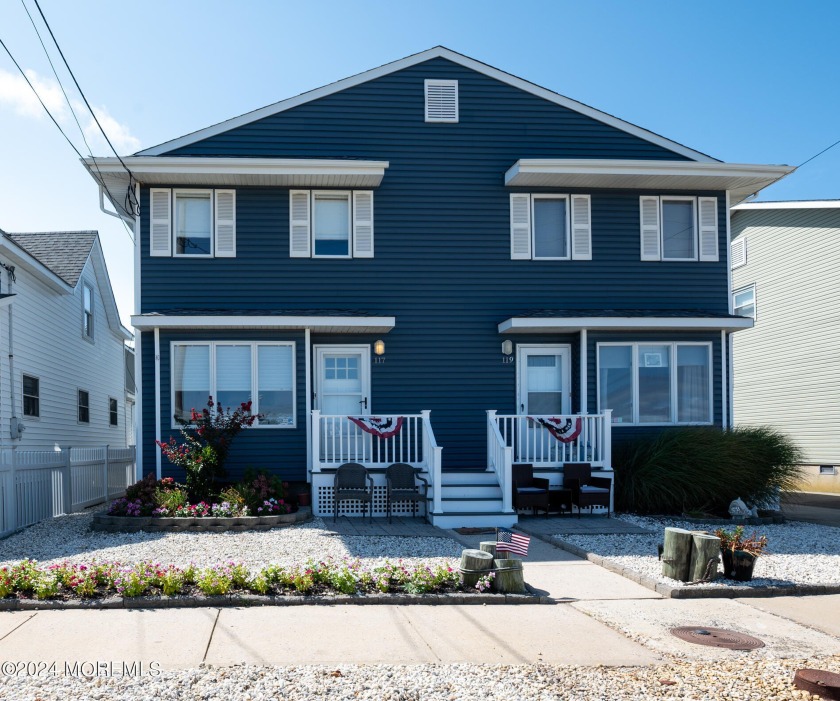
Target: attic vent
(738, 253)
(441, 100)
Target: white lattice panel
(324, 504)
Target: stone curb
(245, 600)
(688, 592)
(133, 524)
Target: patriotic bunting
(381, 428)
(564, 430)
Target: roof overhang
(321, 324)
(230, 172)
(741, 180)
(789, 204)
(619, 323)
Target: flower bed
(199, 522)
(66, 581)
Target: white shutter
(225, 223)
(441, 100)
(299, 239)
(738, 252)
(160, 222)
(363, 224)
(708, 228)
(520, 227)
(649, 215)
(581, 228)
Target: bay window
(234, 373)
(656, 383)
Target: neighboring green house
(785, 260)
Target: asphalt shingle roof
(63, 252)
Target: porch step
(471, 489)
(471, 504)
(473, 519)
(471, 477)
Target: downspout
(14, 425)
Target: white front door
(342, 389)
(544, 389)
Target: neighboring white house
(785, 261)
(62, 345)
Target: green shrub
(704, 469)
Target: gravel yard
(797, 553)
(744, 679)
(69, 538)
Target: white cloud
(16, 95)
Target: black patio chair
(586, 490)
(402, 482)
(352, 481)
(529, 491)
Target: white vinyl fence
(39, 484)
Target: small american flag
(508, 541)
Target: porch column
(584, 391)
(157, 401)
(724, 381)
(308, 421)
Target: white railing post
(433, 457)
(491, 419)
(315, 438)
(67, 484)
(608, 438)
(105, 471)
(12, 500)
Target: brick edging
(132, 524)
(689, 592)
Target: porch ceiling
(565, 321)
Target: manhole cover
(819, 682)
(717, 637)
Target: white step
(471, 504)
(471, 489)
(472, 476)
(473, 520)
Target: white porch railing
(500, 460)
(531, 443)
(40, 484)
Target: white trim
(729, 249)
(253, 345)
(563, 349)
(551, 196)
(138, 353)
(307, 344)
(584, 369)
(565, 324)
(790, 204)
(694, 223)
(408, 61)
(673, 345)
(744, 288)
(430, 82)
(336, 324)
(365, 378)
(724, 381)
(158, 465)
(174, 218)
(731, 370)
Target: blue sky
(746, 82)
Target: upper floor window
(743, 302)
(679, 228)
(330, 224)
(113, 412)
(192, 223)
(83, 405)
(550, 227)
(87, 310)
(31, 396)
(656, 383)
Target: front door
(341, 389)
(544, 389)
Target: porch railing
(532, 443)
(500, 460)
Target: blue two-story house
(446, 249)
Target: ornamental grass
(63, 581)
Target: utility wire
(130, 198)
(72, 112)
(819, 154)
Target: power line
(130, 199)
(819, 154)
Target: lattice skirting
(324, 504)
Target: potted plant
(739, 552)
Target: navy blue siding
(442, 265)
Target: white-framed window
(550, 227)
(743, 301)
(233, 372)
(738, 252)
(83, 406)
(113, 412)
(656, 383)
(331, 224)
(441, 100)
(31, 396)
(678, 228)
(192, 223)
(87, 311)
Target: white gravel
(69, 538)
(797, 553)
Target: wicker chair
(402, 484)
(529, 491)
(352, 481)
(586, 490)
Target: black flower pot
(738, 565)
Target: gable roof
(436, 52)
(62, 252)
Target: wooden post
(705, 555)
(676, 555)
(474, 564)
(510, 577)
(488, 546)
